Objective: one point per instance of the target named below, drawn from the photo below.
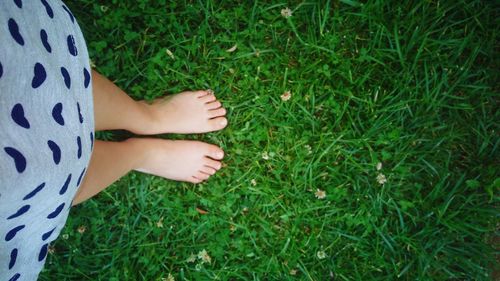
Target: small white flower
(381, 179)
(65, 236)
(169, 278)
(379, 166)
(286, 12)
(170, 54)
(265, 156)
(253, 182)
(52, 249)
(320, 194)
(81, 229)
(286, 96)
(308, 148)
(204, 257)
(159, 223)
(321, 255)
(192, 258)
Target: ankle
(141, 149)
(146, 121)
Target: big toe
(218, 123)
(215, 152)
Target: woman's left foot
(187, 113)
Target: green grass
(413, 86)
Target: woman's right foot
(186, 113)
(189, 161)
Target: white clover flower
(204, 257)
(286, 12)
(192, 258)
(265, 156)
(321, 255)
(308, 148)
(381, 179)
(81, 229)
(286, 96)
(320, 194)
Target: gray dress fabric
(46, 129)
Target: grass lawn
(392, 113)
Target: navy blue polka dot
(17, 115)
(39, 75)
(47, 234)
(65, 185)
(56, 212)
(80, 178)
(67, 78)
(1, 70)
(56, 151)
(57, 114)
(43, 252)
(69, 13)
(91, 140)
(19, 3)
(15, 277)
(71, 45)
(34, 191)
(14, 32)
(13, 257)
(13, 232)
(19, 160)
(45, 40)
(19, 212)
(50, 13)
(80, 117)
(86, 78)
(79, 144)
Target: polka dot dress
(46, 129)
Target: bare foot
(187, 113)
(190, 161)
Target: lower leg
(114, 109)
(109, 162)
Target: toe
(208, 170)
(202, 176)
(213, 163)
(215, 152)
(218, 123)
(217, 112)
(208, 98)
(213, 105)
(200, 94)
(194, 180)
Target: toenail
(223, 122)
(219, 154)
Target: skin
(184, 113)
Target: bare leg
(189, 161)
(187, 112)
